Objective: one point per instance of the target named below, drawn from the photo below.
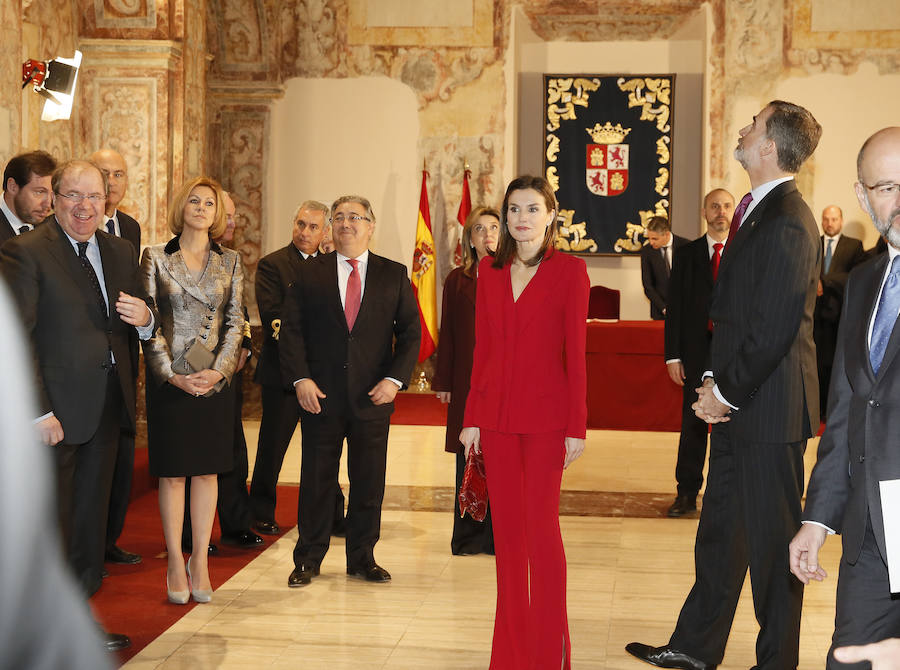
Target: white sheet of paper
(890, 512)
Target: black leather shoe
(682, 506)
(666, 657)
(116, 642)
(103, 573)
(245, 540)
(303, 574)
(115, 554)
(188, 547)
(266, 527)
(371, 573)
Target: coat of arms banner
(608, 156)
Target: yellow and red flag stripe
(465, 208)
(424, 276)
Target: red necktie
(738, 215)
(354, 293)
(716, 259)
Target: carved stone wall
(10, 76)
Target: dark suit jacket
(846, 255)
(655, 276)
(70, 337)
(456, 343)
(529, 373)
(315, 342)
(130, 229)
(274, 275)
(860, 444)
(687, 316)
(6, 229)
(762, 352)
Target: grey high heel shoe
(177, 597)
(199, 595)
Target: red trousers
(524, 473)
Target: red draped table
(628, 387)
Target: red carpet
(419, 409)
(132, 599)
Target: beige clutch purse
(193, 359)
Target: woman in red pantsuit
(454, 364)
(527, 413)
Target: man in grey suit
(861, 444)
(760, 392)
(75, 287)
(26, 193)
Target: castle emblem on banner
(423, 259)
(606, 170)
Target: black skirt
(189, 435)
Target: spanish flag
(424, 276)
(465, 208)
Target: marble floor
(629, 569)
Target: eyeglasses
(884, 190)
(78, 197)
(353, 218)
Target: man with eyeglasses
(280, 411)
(118, 223)
(861, 444)
(26, 193)
(349, 340)
(75, 290)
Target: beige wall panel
(442, 28)
(331, 137)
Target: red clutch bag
(473, 493)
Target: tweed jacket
(209, 309)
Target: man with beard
(26, 193)
(688, 334)
(760, 392)
(841, 254)
(861, 444)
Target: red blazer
(529, 372)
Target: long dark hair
(506, 245)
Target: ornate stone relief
(125, 13)
(133, 19)
(125, 121)
(244, 131)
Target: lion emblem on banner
(606, 172)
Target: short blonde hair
(176, 211)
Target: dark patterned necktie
(736, 219)
(111, 226)
(92, 277)
(24, 229)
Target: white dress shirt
(14, 220)
(343, 275)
